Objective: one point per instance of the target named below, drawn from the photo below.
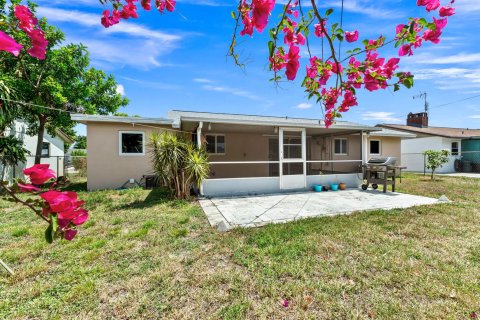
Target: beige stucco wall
(106, 168)
(389, 147)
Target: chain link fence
(465, 161)
(62, 165)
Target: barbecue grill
(380, 171)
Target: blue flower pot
(334, 187)
(317, 188)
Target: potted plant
(342, 186)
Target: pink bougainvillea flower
(69, 234)
(39, 44)
(405, 50)
(285, 303)
(446, 11)
(319, 30)
(39, 173)
(8, 44)
(261, 10)
(292, 62)
(336, 67)
(430, 5)
(351, 36)
(147, 5)
(28, 188)
(26, 18)
(110, 20)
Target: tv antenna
(423, 95)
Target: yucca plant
(177, 162)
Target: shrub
(79, 162)
(178, 163)
(436, 159)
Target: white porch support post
(364, 147)
(280, 156)
(304, 155)
(199, 145)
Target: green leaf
(271, 48)
(54, 223)
(396, 87)
(328, 12)
(234, 16)
(48, 234)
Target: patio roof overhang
(188, 121)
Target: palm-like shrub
(177, 162)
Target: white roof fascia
(178, 116)
(116, 119)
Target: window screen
(374, 147)
(340, 146)
(215, 143)
(131, 143)
(45, 149)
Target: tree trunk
(41, 130)
(432, 177)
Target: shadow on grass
(154, 197)
(76, 186)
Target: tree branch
(17, 199)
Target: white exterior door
(293, 153)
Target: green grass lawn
(143, 256)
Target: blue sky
(178, 61)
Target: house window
(455, 148)
(215, 143)
(375, 147)
(45, 150)
(341, 147)
(131, 143)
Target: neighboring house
(52, 150)
(248, 154)
(461, 142)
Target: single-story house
(463, 143)
(247, 153)
(53, 152)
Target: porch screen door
(293, 153)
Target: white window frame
(379, 147)
(131, 154)
(345, 153)
(224, 143)
(458, 148)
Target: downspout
(199, 145)
(199, 134)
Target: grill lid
(384, 161)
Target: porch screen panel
(292, 145)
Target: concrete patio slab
(254, 211)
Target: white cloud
(356, 6)
(450, 78)
(459, 58)
(93, 20)
(304, 105)
(380, 116)
(467, 6)
(203, 80)
(476, 116)
(136, 45)
(121, 89)
(234, 91)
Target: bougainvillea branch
(332, 81)
(61, 210)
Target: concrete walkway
(255, 211)
(461, 174)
